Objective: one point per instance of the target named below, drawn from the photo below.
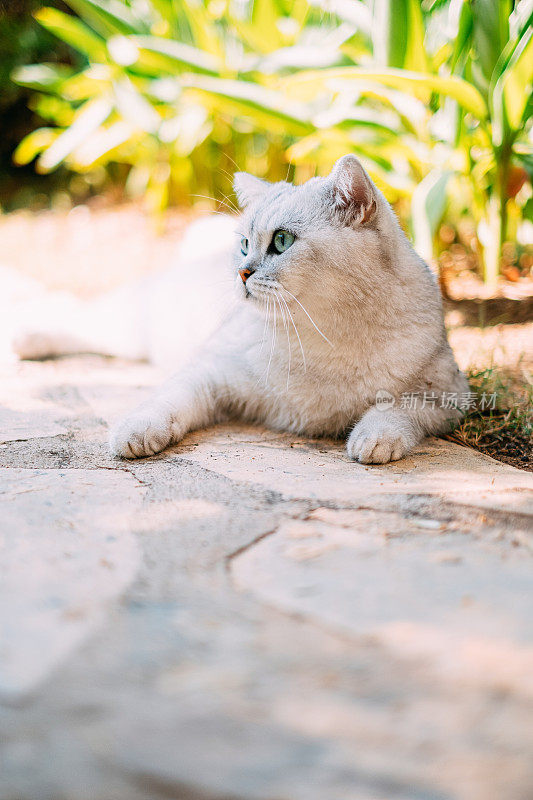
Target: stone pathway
(250, 616)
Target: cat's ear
(354, 198)
(248, 188)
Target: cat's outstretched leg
(384, 435)
(195, 398)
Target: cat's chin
(251, 297)
(262, 303)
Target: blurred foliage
(181, 91)
(433, 96)
(22, 39)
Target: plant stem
(497, 219)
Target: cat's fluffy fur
(346, 312)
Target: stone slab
(66, 553)
(251, 615)
(460, 602)
(297, 467)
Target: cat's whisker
(228, 199)
(225, 172)
(227, 155)
(210, 212)
(311, 320)
(265, 326)
(269, 287)
(218, 201)
(296, 331)
(286, 326)
(273, 343)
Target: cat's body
(335, 309)
(163, 318)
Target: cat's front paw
(374, 443)
(143, 433)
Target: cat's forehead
(283, 206)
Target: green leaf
(34, 143)
(521, 18)
(134, 108)
(297, 57)
(91, 82)
(102, 145)
(419, 84)
(201, 25)
(517, 80)
(379, 121)
(43, 77)
(355, 13)
(169, 56)
(165, 8)
(324, 147)
(490, 31)
(88, 119)
(511, 93)
(398, 34)
(52, 107)
(265, 15)
(427, 209)
(264, 106)
(108, 17)
(464, 35)
(72, 31)
(527, 211)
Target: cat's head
(315, 241)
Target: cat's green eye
(282, 241)
(244, 246)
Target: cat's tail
(162, 317)
(36, 323)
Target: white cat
(334, 312)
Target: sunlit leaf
(422, 85)
(253, 101)
(43, 77)
(464, 35)
(52, 107)
(108, 17)
(134, 108)
(101, 146)
(355, 12)
(172, 57)
(33, 144)
(427, 209)
(490, 31)
(86, 84)
(87, 121)
(205, 34)
(264, 17)
(325, 147)
(74, 32)
(398, 34)
(515, 83)
(299, 57)
(520, 18)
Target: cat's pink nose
(245, 274)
